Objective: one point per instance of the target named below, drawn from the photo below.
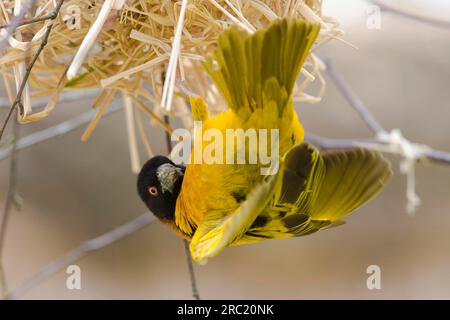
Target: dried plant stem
(131, 133)
(9, 201)
(90, 128)
(142, 133)
(152, 115)
(17, 101)
(169, 83)
(16, 21)
(172, 35)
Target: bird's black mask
(159, 184)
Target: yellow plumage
(215, 184)
(231, 204)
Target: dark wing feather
(320, 189)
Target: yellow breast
(215, 189)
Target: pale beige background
(74, 191)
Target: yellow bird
(218, 205)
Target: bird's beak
(168, 175)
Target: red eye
(153, 191)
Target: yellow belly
(215, 190)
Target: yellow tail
(261, 67)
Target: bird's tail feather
(261, 67)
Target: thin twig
(437, 156)
(378, 141)
(75, 95)
(49, 16)
(28, 71)
(194, 287)
(431, 21)
(57, 130)
(167, 135)
(10, 199)
(329, 143)
(390, 142)
(82, 250)
(190, 264)
(353, 99)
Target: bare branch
(195, 292)
(49, 16)
(382, 137)
(353, 99)
(329, 143)
(433, 155)
(28, 71)
(390, 142)
(57, 130)
(10, 198)
(69, 96)
(433, 22)
(82, 250)
(168, 141)
(439, 156)
(190, 264)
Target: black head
(159, 184)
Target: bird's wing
(211, 238)
(311, 191)
(318, 190)
(352, 178)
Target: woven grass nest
(125, 46)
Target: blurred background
(74, 191)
